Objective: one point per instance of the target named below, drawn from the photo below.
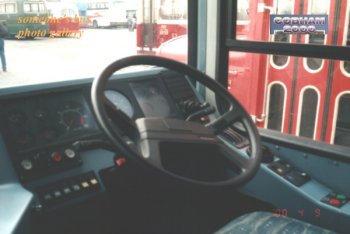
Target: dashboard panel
(41, 128)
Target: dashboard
(41, 129)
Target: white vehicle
(62, 9)
(107, 13)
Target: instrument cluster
(42, 120)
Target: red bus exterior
(159, 21)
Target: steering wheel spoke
(149, 151)
(226, 120)
(241, 162)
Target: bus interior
(217, 124)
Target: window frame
(227, 42)
(230, 43)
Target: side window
(316, 7)
(26, 7)
(11, 8)
(282, 7)
(342, 130)
(346, 41)
(41, 7)
(280, 60)
(64, 12)
(242, 10)
(35, 8)
(309, 101)
(173, 10)
(276, 106)
(315, 64)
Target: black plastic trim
(306, 145)
(221, 73)
(291, 49)
(192, 32)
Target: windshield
(53, 41)
(295, 94)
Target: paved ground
(45, 59)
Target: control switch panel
(335, 199)
(285, 170)
(40, 163)
(69, 188)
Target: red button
(334, 202)
(57, 157)
(120, 161)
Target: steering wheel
(188, 151)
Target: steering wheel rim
(235, 113)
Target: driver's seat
(267, 223)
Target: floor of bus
(136, 203)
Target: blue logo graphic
(299, 24)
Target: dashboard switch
(280, 167)
(341, 197)
(27, 164)
(334, 202)
(67, 190)
(70, 153)
(57, 193)
(93, 181)
(120, 161)
(85, 184)
(297, 178)
(47, 197)
(57, 157)
(76, 187)
(335, 199)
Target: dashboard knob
(70, 153)
(27, 164)
(56, 157)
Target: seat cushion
(267, 223)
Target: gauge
(16, 117)
(120, 101)
(72, 117)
